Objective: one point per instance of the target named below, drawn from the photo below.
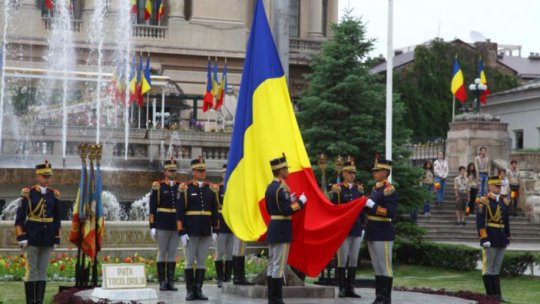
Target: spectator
(472, 175)
(483, 166)
(505, 184)
(441, 173)
(513, 175)
(461, 188)
(427, 181)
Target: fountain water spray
(6, 17)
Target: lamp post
(478, 88)
(339, 167)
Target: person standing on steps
(427, 182)
(225, 239)
(461, 191)
(483, 165)
(347, 255)
(472, 175)
(513, 176)
(37, 227)
(441, 173)
(163, 229)
(493, 224)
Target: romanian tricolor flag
(265, 127)
(49, 4)
(222, 88)
(75, 235)
(148, 10)
(458, 86)
(483, 80)
(208, 99)
(146, 80)
(94, 223)
(134, 6)
(215, 81)
(160, 10)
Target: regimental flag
(265, 127)
(94, 223)
(117, 88)
(134, 8)
(215, 81)
(146, 84)
(208, 99)
(148, 10)
(457, 86)
(483, 80)
(135, 83)
(222, 88)
(75, 234)
(49, 4)
(160, 10)
(133, 80)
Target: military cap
(278, 163)
(494, 180)
(348, 165)
(170, 164)
(198, 164)
(382, 164)
(44, 169)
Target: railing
(48, 21)
(217, 153)
(149, 31)
(426, 150)
(297, 45)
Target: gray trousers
(37, 259)
(239, 248)
(492, 259)
(278, 253)
(167, 245)
(224, 246)
(349, 250)
(381, 257)
(196, 251)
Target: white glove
(293, 197)
(486, 244)
(153, 233)
(184, 238)
(214, 237)
(362, 236)
(303, 198)
(370, 203)
(55, 246)
(23, 244)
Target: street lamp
(478, 88)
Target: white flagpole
(389, 74)
(453, 107)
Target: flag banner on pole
(265, 127)
(208, 99)
(457, 85)
(483, 80)
(75, 235)
(222, 88)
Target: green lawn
(517, 290)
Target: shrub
(516, 263)
(459, 257)
(409, 231)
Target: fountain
(6, 17)
(140, 209)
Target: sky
(515, 22)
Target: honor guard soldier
(381, 209)
(281, 204)
(163, 229)
(225, 240)
(347, 255)
(37, 226)
(493, 224)
(239, 261)
(197, 216)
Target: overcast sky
(416, 21)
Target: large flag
(134, 6)
(146, 84)
(457, 86)
(160, 10)
(265, 127)
(222, 88)
(75, 235)
(483, 80)
(208, 99)
(148, 10)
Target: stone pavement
(368, 295)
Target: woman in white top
(441, 173)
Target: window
(518, 135)
(141, 10)
(294, 26)
(325, 17)
(76, 8)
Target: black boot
(277, 291)
(219, 273)
(497, 288)
(351, 279)
(199, 278)
(40, 291)
(161, 276)
(30, 292)
(171, 267)
(341, 282)
(487, 284)
(239, 271)
(377, 290)
(228, 271)
(385, 291)
(270, 290)
(190, 286)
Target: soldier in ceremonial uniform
(281, 204)
(239, 261)
(493, 224)
(381, 209)
(163, 229)
(37, 226)
(347, 255)
(225, 240)
(197, 217)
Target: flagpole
(147, 108)
(389, 75)
(162, 108)
(453, 107)
(139, 118)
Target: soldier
(37, 226)
(493, 224)
(225, 241)
(163, 229)
(197, 216)
(341, 194)
(280, 205)
(239, 260)
(380, 233)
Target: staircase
(441, 225)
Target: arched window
(294, 25)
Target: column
(315, 26)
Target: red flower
(62, 267)
(128, 260)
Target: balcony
(149, 31)
(48, 21)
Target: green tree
(342, 112)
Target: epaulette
(336, 188)
(389, 189)
(56, 193)
(214, 188)
(182, 187)
(25, 192)
(155, 186)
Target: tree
(342, 112)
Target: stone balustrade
(149, 31)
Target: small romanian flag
(457, 86)
(483, 80)
(148, 10)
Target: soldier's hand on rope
(485, 243)
(303, 198)
(23, 244)
(153, 233)
(184, 238)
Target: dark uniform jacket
(163, 204)
(38, 217)
(223, 228)
(280, 207)
(379, 225)
(197, 212)
(492, 221)
(342, 194)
